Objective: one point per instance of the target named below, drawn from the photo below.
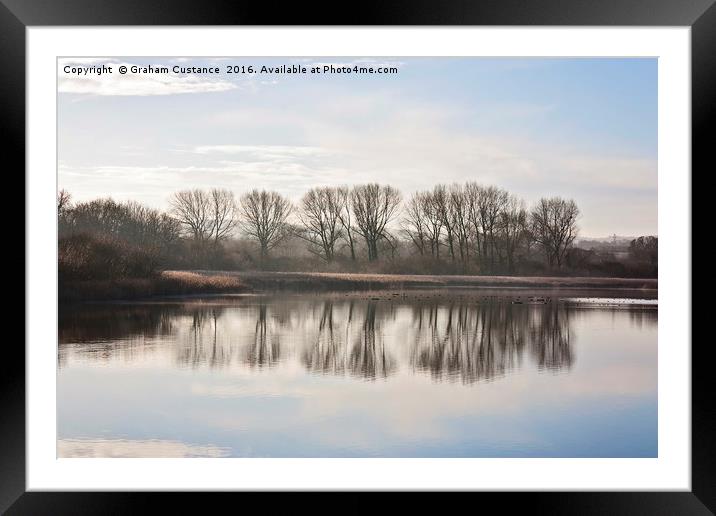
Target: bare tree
(460, 208)
(320, 214)
(374, 206)
(433, 222)
(444, 212)
(224, 214)
(473, 192)
(207, 217)
(345, 217)
(391, 244)
(415, 223)
(63, 200)
(554, 224)
(511, 225)
(486, 203)
(193, 210)
(263, 217)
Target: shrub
(92, 257)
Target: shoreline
(197, 283)
(322, 281)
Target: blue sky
(581, 128)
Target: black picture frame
(17, 15)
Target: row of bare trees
(469, 223)
(329, 216)
(210, 217)
(487, 225)
(326, 217)
(477, 227)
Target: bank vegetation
(457, 229)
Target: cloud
(412, 150)
(113, 448)
(265, 152)
(144, 84)
(154, 184)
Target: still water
(386, 375)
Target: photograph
(357, 257)
(414, 249)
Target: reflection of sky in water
(312, 376)
(90, 448)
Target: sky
(580, 128)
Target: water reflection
(336, 340)
(201, 344)
(471, 343)
(334, 375)
(129, 448)
(463, 340)
(327, 352)
(459, 342)
(265, 350)
(368, 357)
(551, 338)
(643, 318)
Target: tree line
(469, 223)
(467, 228)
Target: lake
(419, 374)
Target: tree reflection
(107, 332)
(265, 349)
(209, 341)
(203, 343)
(368, 358)
(365, 357)
(461, 341)
(96, 323)
(471, 342)
(644, 316)
(449, 339)
(326, 355)
(550, 343)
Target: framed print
(275, 252)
